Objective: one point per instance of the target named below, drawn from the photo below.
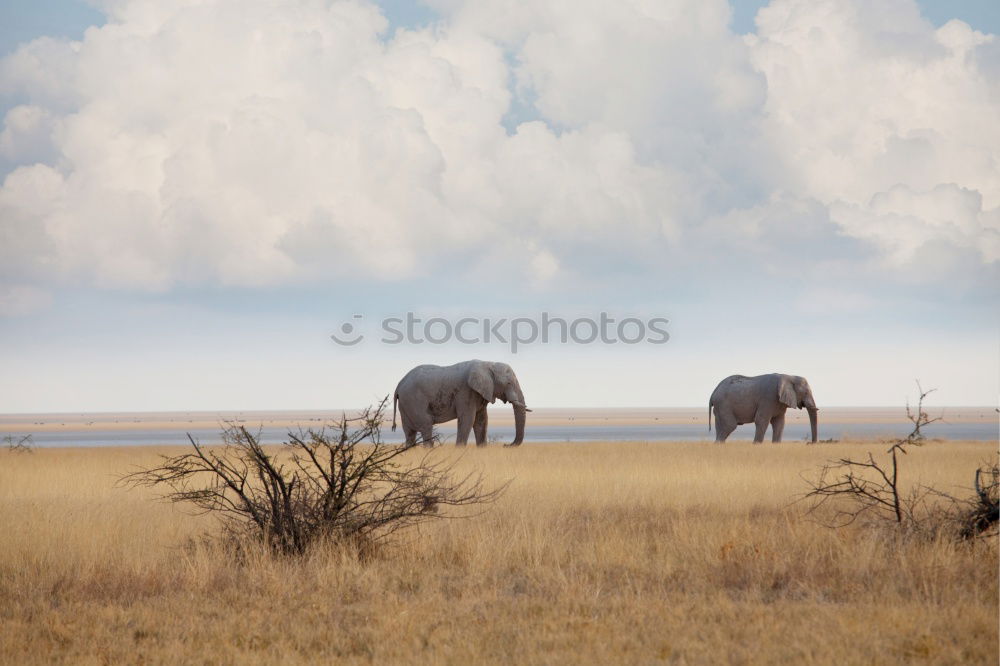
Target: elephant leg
(479, 426)
(409, 430)
(427, 434)
(777, 427)
(464, 428)
(761, 427)
(724, 427)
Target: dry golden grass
(597, 553)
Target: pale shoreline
(499, 415)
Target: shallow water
(539, 433)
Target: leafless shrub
(980, 515)
(871, 487)
(24, 444)
(344, 484)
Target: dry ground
(598, 553)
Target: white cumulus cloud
(887, 120)
(255, 142)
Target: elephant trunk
(516, 398)
(520, 412)
(812, 422)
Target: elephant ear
(481, 381)
(786, 393)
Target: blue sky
(193, 202)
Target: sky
(195, 195)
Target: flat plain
(598, 552)
(499, 415)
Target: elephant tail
(395, 399)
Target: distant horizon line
(314, 410)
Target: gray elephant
(431, 394)
(759, 400)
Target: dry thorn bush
(23, 444)
(873, 489)
(343, 484)
(980, 515)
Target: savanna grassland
(596, 553)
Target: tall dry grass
(597, 553)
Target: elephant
(431, 394)
(759, 400)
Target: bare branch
(855, 488)
(23, 444)
(345, 484)
(983, 513)
(871, 487)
